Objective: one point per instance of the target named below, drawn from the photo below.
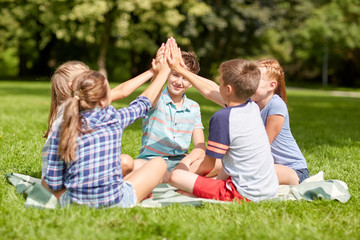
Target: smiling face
(177, 84)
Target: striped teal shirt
(167, 131)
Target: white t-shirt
(237, 136)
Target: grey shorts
(171, 161)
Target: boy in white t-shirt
(237, 136)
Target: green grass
(327, 129)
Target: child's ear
(273, 85)
(102, 102)
(229, 89)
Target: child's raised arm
(124, 89)
(209, 89)
(157, 84)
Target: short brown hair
(243, 75)
(190, 61)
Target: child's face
(177, 84)
(263, 89)
(223, 90)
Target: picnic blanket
(313, 188)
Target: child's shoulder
(277, 101)
(222, 113)
(190, 102)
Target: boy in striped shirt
(172, 123)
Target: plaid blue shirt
(167, 130)
(95, 178)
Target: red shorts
(223, 190)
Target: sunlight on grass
(327, 129)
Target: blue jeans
(128, 200)
(302, 173)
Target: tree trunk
(23, 58)
(104, 44)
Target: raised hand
(159, 55)
(174, 59)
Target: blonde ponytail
(71, 127)
(88, 89)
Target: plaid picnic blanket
(313, 188)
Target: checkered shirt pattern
(95, 178)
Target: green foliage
(326, 128)
(302, 35)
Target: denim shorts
(171, 161)
(302, 174)
(128, 200)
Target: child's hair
(87, 90)
(190, 61)
(243, 75)
(275, 72)
(60, 90)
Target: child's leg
(138, 163)
(286, 175)
(147, 177)
(214, 172)
(183, 180)
(57, 194)
(127, 164)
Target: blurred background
(316, 41)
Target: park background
(317, 43)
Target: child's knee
(127, 163)
(175, 176)
(160, 163)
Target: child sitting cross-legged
(83, 163)
(238, 137)
(173, 122)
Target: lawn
(327, 129)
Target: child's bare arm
(206, 166)
(274, 124)
(206, 87)
(157, 84)
(198, 152)
(155, 67)
(124, 89)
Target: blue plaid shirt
(95, 178)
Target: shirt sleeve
(278, 107)
(56, 168)
(219, 138)
(198, 122)
(137, 109)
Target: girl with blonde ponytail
(84, 159)
(61, 82)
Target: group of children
(249, 152)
